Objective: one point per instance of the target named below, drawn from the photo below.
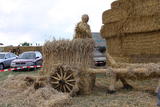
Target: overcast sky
(36, 21)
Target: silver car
(6, 58)
(29, 58)
(99, 58)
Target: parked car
(99, 58)
(29, 58)
(6, 58)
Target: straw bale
(77, 52)
(113, 15)
(131, 25)
(138, 2)
(148, 8)
(120, 4)
(135, 48)
(143, 44)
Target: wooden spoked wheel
(62, 79)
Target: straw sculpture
(77, 52)
(66, 62)
(123, 71)
(132, 30)
(82, 29)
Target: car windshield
(2, 56)
(27, 56)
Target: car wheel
(1, 66)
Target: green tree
(25, 44)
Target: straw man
(82, 29)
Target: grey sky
(39, 20)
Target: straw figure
(67, 61)
(82, 29)
(123, 71)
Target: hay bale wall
(23, 48)
(132, 30)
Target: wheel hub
(62, 82)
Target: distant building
(98, 39)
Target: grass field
(141, 96)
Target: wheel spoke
(64, 88)
(70, 84)
(72, 80)
(55, 78)
(54, 82)
(68, 88)
(64, 77)
(68, 76)
(59, 76)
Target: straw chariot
(131, 29)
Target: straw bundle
(139, 71)
(131, 25)
(122, 5)
(28, 96)
(77, 52)
(113, 15)
(146, 9)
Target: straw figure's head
(85, 18)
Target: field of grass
(141, 96)
(4, 75)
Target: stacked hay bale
(132, 30)
(67, 61)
